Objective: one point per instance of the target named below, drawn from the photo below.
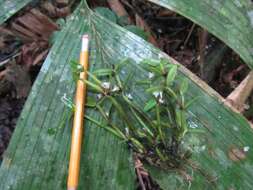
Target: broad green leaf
(37, 160)
(229, 20)
(10, 7)
(40, 160)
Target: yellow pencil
(76, 141)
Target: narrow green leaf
(103, 72)
(122, 64)
(115, 132)
(154, 89)
(102, 112)
(121, 112)
(151, 62)
(159, 124)
(143, 82)
(184, 86)
(171, 75)
(138, 145)
(93, 86)
(161, 156)
(150, 105)
(184, 125)
(76, 69)
(170, 92)
(142, 123)
(68, 102)
(190, 102)
(91, 101)
(96, 80)
(139, 111)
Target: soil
(10, 109)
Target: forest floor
(23, 48)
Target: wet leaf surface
(40, 160)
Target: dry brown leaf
(20, 79)
(62, 2)
(34, 26)
(40, 57)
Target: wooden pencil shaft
(77, 131)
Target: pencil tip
(71, 188)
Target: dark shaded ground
(10, 110)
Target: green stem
(159, 124)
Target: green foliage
(76, 69)
(110, 15)
(150, 104)
(123, 21)
(154, 132)
(107, 13)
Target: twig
(3, 73)
(119, 9)
(238, 97)
(4, 62)
(6, 31)
(40, 57)
(202, 43)
(138, 166)
(189, 34)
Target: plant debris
(25, 40)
